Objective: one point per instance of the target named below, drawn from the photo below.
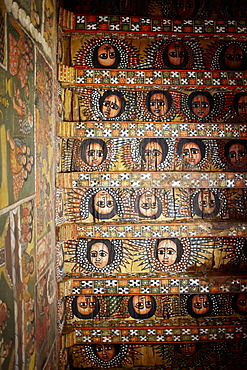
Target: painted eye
(93, 254)
(156, 153)
(83, 304)
(103, 56)
(241, 154)
(102, 254)
(239, 57)
(198, 305)
(139, 305)
(185, 152)
(194, 151)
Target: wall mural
(160, 255)
(152, 154)
(27, 330)
(163, 53)
(159, 105)
(151, 177)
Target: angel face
(237, 155)
(185, 8)
(242, 302)
(94, 154)
(103, 202)
(105, 352)
(191, 153)
(148, 204)
(200, 106)
(233, 56)
(106, 55)
(142, 304)
(242, 106)
(111, 106)
(152, 154)
(176, 53)
(187, 349)
(206, 201)
(99, 255)
(86, 304)
(239, 9)
(236, 347)
(200, 304)
(158, 104)
(167, 252)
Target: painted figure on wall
(168, 251)
(187, 349)
(156, 105)
(237, 111)
(153, 152)
(192, 154)
(105, 355)
(174, 254)
(226, 56)
(199, 305)
(202, 106)
(106, 56)
(150, 204)
(106, 352)
(206, 203)
(149, 154)
(21, 162)
(141, 307)
(233, 57)
(107, 53)
(236, 155)
(107, 105)
(239, 303)
(200, 103)
(236, 9)
(187, 354)
(158, 102)
(85, 307)
(174, 54)
(112, 104)
(99, 255)
(88, 155)
(183, 9)
(102, 204)
(240, 105)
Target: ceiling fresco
(151, 185)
